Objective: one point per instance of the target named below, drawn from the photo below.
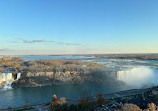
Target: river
(135, 73)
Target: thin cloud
(63, 43)
(33, 41)
(43, 41)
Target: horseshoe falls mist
(139, 77)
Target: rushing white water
(18, 76)
(139, 77)
(8, 78)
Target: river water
(135, 73)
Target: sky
(47, 27)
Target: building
(155, 91)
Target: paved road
(124, 93)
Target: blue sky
(78, 26)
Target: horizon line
(74, 54)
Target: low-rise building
(155, 91)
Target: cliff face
(47, 72)
(2, 83)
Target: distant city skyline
(52, 27)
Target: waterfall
(3, 77)
(138, 77)
(8, 78)
(18, 76)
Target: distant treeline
(128, 56)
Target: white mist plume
(138, 77)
